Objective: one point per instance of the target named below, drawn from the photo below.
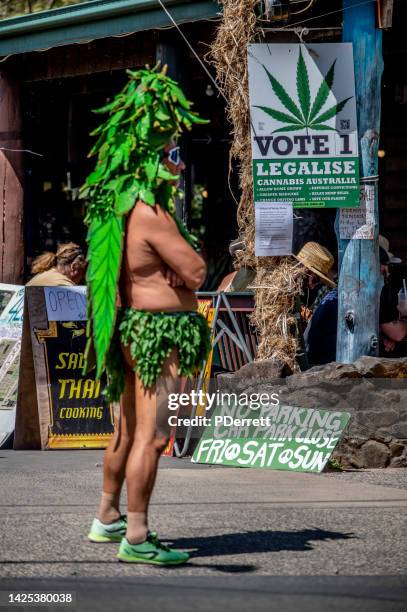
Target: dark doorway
(58, 119)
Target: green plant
(334, 464)
(11, 8)
(148, 113)
(307, 115)
(197, 203)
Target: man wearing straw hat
(318, 284)
(322, 331)
(319, 264)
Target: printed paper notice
(358, 223)
(274, 228)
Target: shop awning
(92, 20)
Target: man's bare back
(152, 245)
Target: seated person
(65, 267)
(321, 334)
(393, 320)
(318, 279)
(322, 331)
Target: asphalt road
(211, 594)
(259, 539)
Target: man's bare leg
(116, 454)
(151, 437)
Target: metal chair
(231, 336)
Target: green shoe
(112, 532)
(150, 551)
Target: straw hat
(317, 259)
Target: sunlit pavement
(259, 539)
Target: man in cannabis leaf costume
(141, 255)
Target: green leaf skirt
(151, 336)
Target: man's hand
(395, 331)
(173, 279)
(389, 345)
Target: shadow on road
(241, 543)
(248, 542)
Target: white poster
(11, 318)
(303, 124)
(274, 228)
(66, 303)
(358, 223)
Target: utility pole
(360, 281)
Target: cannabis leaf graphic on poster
(306, 115)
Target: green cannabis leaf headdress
(149, 112)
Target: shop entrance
(58, 119)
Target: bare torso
(153, 244)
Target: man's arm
(161, 232)
(395, 330)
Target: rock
(398, 462)
(357, 442)
(355, 397)
(391, 397)
(374, 454)
(378, 420)
(373, 390)
(377, 367)
(253, 374)
(321, 374)
(311, 398)
(348, 454)
(396, 449)
(399, 430)
(384, 439)
(355, 462)
(347, 457)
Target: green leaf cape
(147, 114)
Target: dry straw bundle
(228, 53)
(273, 317)
(278, 279)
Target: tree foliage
(14, 8)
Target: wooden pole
(385, 14)
(11, 183)
(360, 281)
